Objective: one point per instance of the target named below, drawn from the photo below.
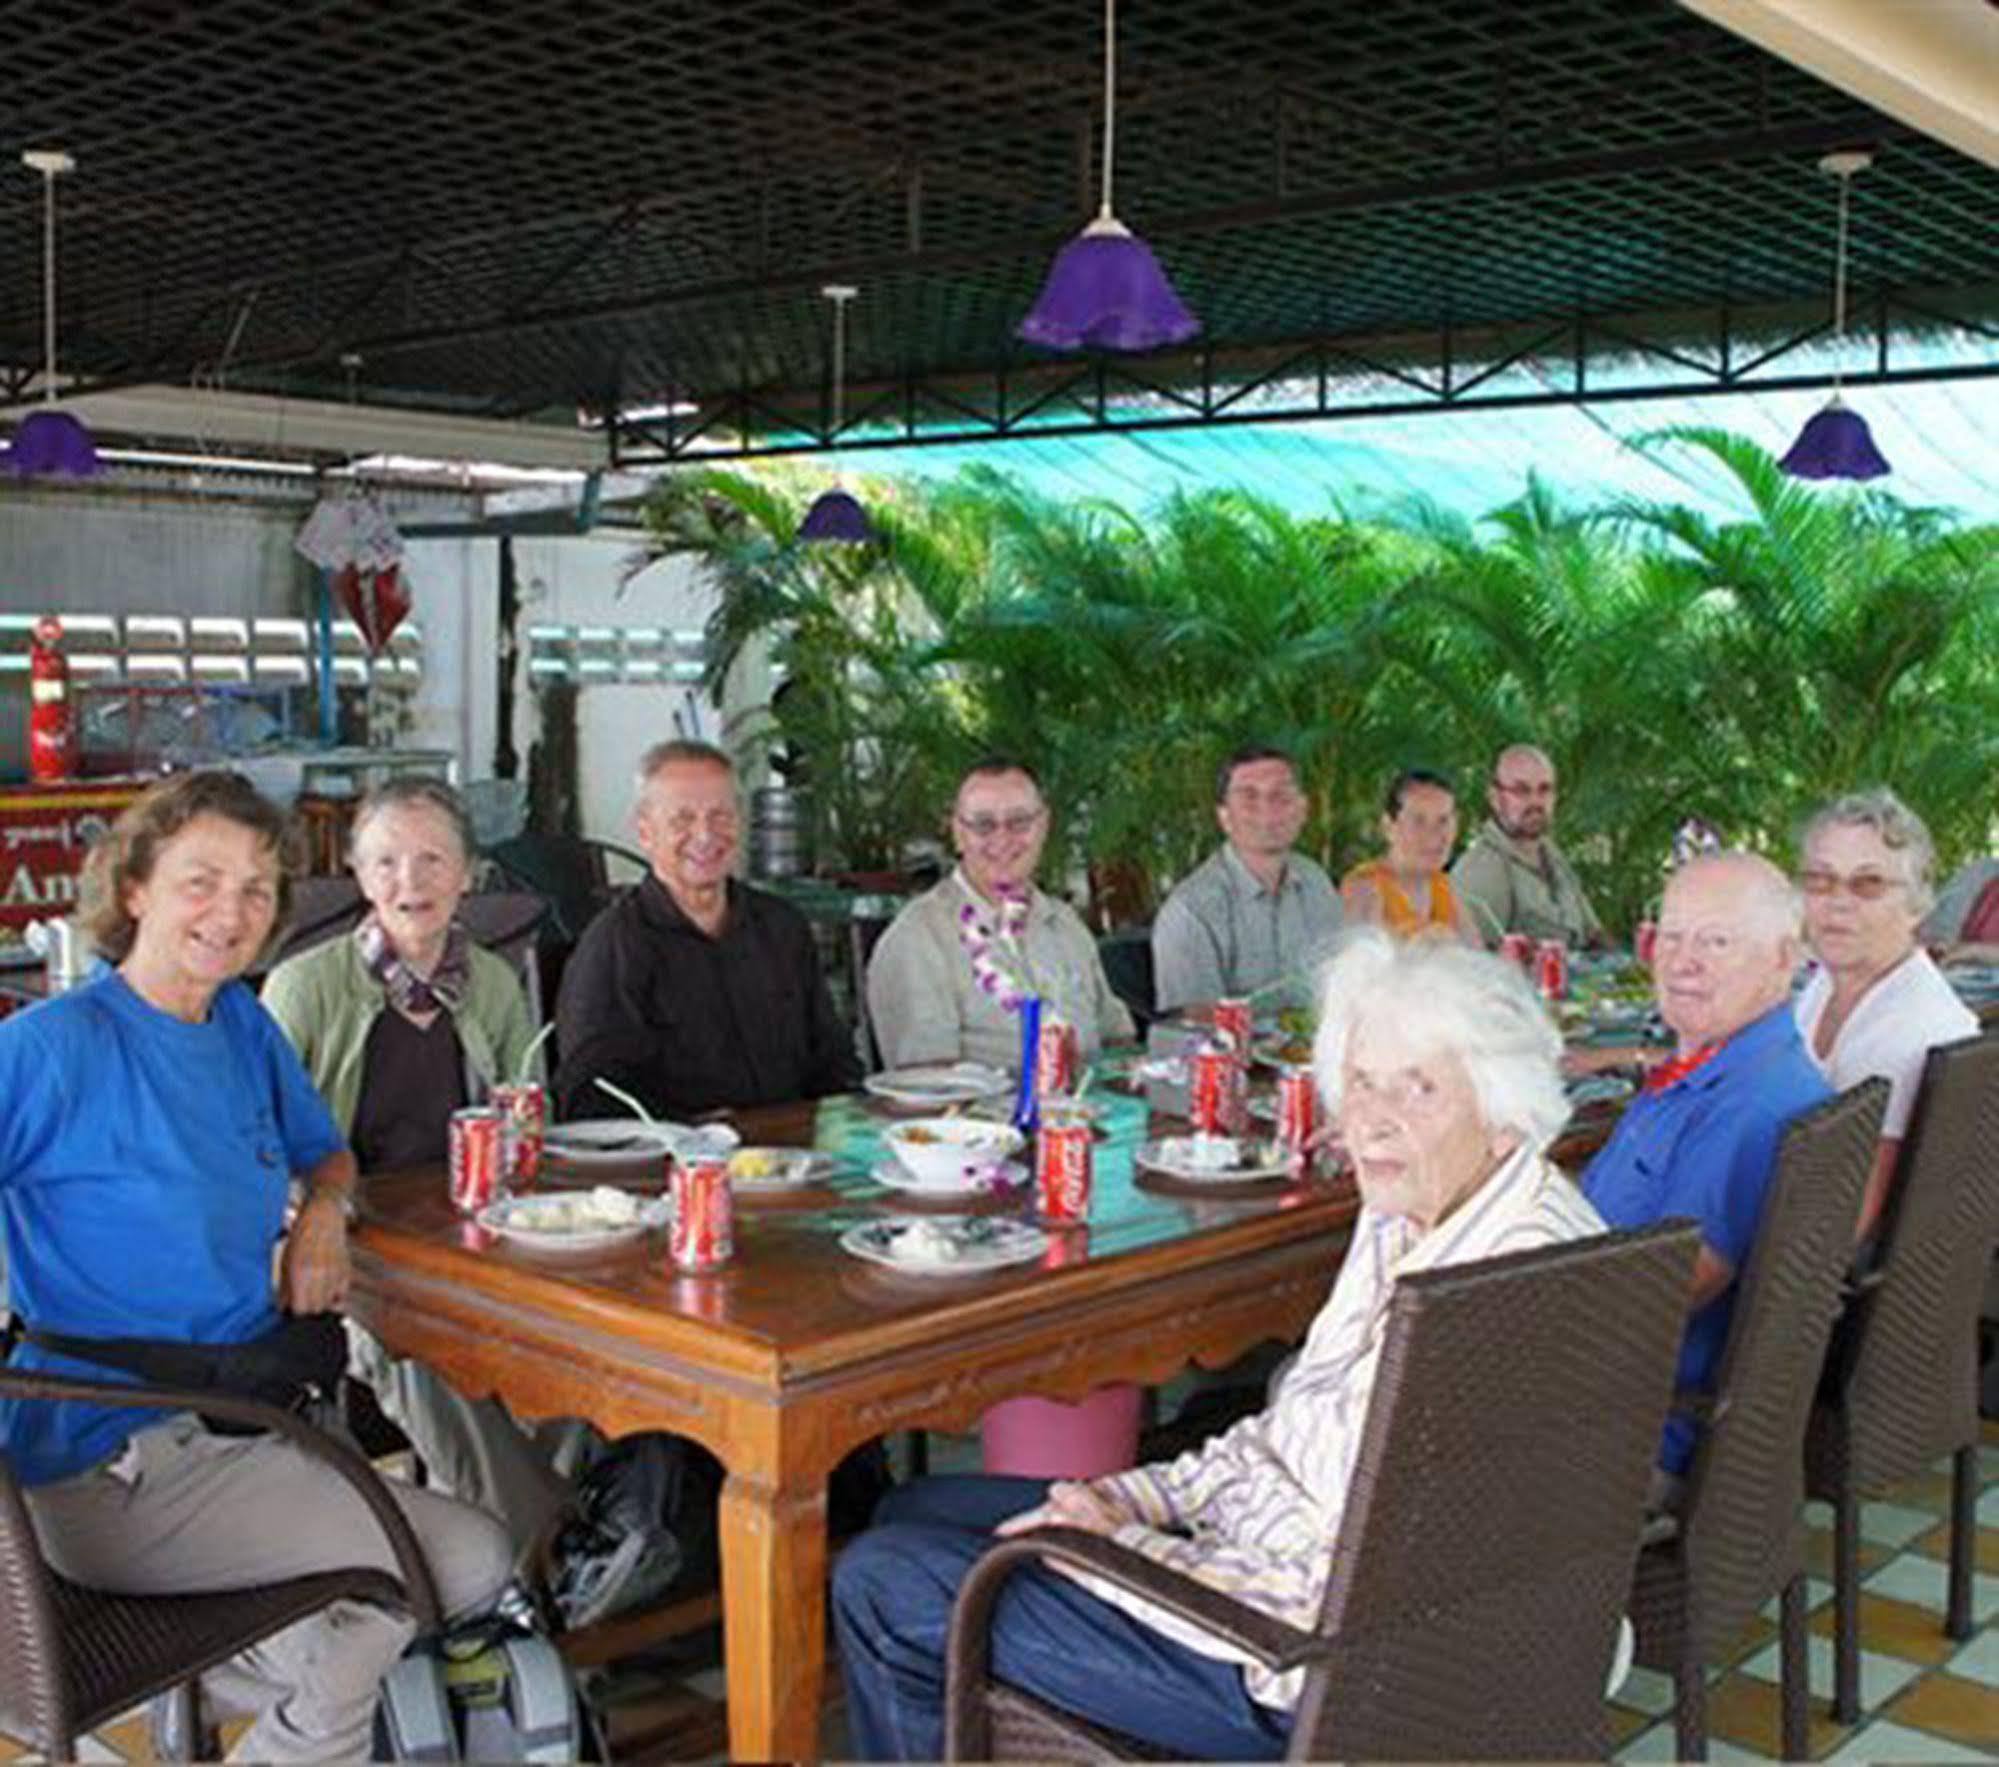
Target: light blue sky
(1941, 439)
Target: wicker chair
(1488, 1538)
(73, 1658)
(508, 923)
(574, 874)
(1901, 1385)
(1737, 1537)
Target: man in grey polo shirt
(1513, 875)
(925, 1003)
(1256, 913)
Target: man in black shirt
(692, 991)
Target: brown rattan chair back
(1489, 1531)
(1496, 1504)
(1901, 1384)
(1910, 1374)
(34, 1697)
(509, 924)
(74, 1658)
(1740, 1525)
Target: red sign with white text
(44, 833)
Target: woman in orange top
(1406, 891)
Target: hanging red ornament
(376, 601)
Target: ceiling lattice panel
(502, 207)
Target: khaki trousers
(471, 1449)
(181, 1510)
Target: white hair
(1440, 997)
(1762, 897)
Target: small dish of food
(937, 1150)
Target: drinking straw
(528, 1054)
(625, 1098)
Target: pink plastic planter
(1045, 1439)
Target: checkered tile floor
(1924, 1697)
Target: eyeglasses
(983, 828)
(1862, 886)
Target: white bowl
(936, 1150)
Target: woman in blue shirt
(151, 1123)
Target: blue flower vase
(1026, 1103)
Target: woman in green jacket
(400, 1023)
(405, 1020)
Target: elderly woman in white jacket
(1876, 1004)
(1441, 1067)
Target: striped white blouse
(1256, 1510)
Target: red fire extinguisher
(51, 732)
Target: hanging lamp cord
(1839, 286)
(1110, 102)
(839, 366)
(48, 287)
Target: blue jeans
(892, 1595)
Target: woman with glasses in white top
(1876, 1004)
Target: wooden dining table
(796, 1351)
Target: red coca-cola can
(704, 1215)
(1551, 969)
(1297, 1111)
(1215, 1095)
(524, 1105)
(1644, 941)
(478, 1154)
(1518, 948)
(1057, 1058)
(1064, 1164)
(1233, 1022)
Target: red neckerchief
(1679, 1067)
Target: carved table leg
(774, 1618)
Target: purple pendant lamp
(49, 442)
(1105, 290)
(1835, 444)
(836, 516)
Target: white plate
(796, 1166)
(944, 1082)
(1170, 1156)
(994, 1178)
(623, 1141)
(526, 1221)
(985, 1242)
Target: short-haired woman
(1441, 1068)
(400, 1023)
(153, 1121)
(405, 1020)
(1876, 1004)
(1407, 889)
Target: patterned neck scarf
(1679, 1067)
(409, 993)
